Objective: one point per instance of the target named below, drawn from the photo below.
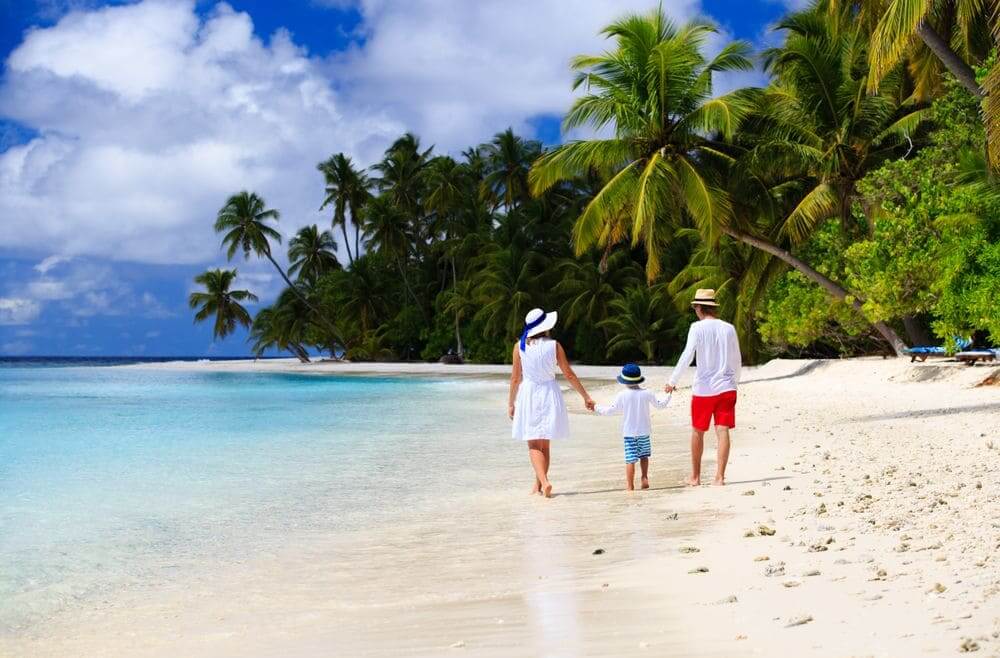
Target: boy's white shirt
(634, 404)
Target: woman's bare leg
(536, 452)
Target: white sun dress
(539, 410)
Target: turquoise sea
(114, 478)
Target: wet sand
(879, 480)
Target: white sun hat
(537, 322)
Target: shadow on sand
(927, 413)
(667, 488)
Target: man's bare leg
(644, 466)
(697, 448)
(722, 433)
(536, 452)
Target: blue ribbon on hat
(528, 327)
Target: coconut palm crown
(653, 91)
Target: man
(714, 391)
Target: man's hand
(669, 388)
(510, 411)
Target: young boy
(634, 403)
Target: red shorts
(721, 406)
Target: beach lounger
(971, 357)
(922, 352)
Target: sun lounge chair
(971, 357)
(922, 352)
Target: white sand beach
(861, 519)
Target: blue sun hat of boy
(631, 375)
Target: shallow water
(116, 478)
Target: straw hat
(704, 297)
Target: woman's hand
(510, 411)
(589, 403)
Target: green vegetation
(850, 206)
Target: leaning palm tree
(311, 255)
(653, 90)
(220, 301)
(957, 33)
(347, 190)
(245, 224)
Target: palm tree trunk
(406, 284)
(835, 290)
(955, 64)
(347, 243)
(458, 334)
(302, 298)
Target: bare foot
(629, 487)
(645, 483)
(693, 482)
(719, 482)
(547, 490)
(536, 490)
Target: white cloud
(149, 117)
(49, 263)
(457, 72)
(16, 310)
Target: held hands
(589, 403)
(669, 389)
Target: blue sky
(124, 126)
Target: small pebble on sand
(598, 551)
(799, 621)
(699, 570)
(689, 549)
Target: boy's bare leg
(697, 448)
(630, 477)
(644, 466)
(536, 452)
(722, 433)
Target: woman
(535, 403)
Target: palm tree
(385, 229)
(278, 327)
(636, 324)
(957, 32)
(509, 159)
(508, 287)
(654, 90)
(219, 300)
(813, 135)
(347, 190)
(311, 255)
(244, 220)
(816, 117)
(590, 287)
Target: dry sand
(861, 519)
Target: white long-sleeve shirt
(634, 404)
(718, 350)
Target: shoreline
(878, 478)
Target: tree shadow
(926, 413)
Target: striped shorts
(636, 448)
